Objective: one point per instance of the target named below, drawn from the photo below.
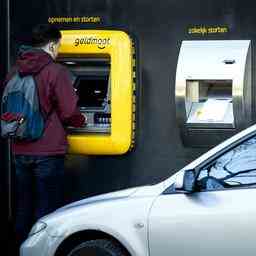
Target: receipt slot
(213, 90)
(100, 65)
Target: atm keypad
(102, 119)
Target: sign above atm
(75, 41)
(100, 42)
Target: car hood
(101, 198)
(90, 213)
(141, 191)
(92, 206)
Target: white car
(207, 208)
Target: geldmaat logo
(100, 42)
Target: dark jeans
(38, 189)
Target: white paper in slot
(213, 110)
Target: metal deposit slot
(209, 103)
(213, 90)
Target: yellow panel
(117, 45)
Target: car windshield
(235, 168)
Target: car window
(236, 168)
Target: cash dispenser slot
(213, 90)
(91, 80)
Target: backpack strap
(44, 114)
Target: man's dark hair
(43, 34)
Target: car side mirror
(185, 181)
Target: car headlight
(38, 227)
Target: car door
(219, 219)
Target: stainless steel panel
(213, 62)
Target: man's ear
(51, 46)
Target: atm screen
(92, 91)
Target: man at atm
(40, 164)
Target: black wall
(5, 225)
(158, 27)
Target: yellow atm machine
(100, 63)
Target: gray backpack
(21, 116)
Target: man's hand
(77, 121)
(85, 118)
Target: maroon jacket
(57, 98)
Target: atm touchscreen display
(92, 91)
